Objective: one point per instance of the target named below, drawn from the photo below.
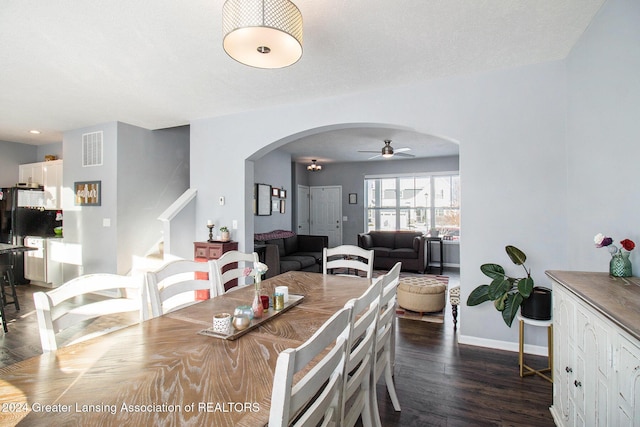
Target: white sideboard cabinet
(596, 350)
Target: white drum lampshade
(262, 33)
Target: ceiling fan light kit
(262, 33)
(314, 167)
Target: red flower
(627, 244)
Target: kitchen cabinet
(596, 360)
(49, 175)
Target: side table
(437, 240)
(205, 251)
(525, 369)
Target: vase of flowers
(620, 265)
(256, 272)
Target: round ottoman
(421, 294)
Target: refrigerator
(22, 214)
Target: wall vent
(92, 149)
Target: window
(419, 203)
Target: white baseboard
(502, 345)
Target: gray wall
(13, 154)
(54, 149)
(274, 169)
(603, 136)
(142, 174)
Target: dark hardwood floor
(439, 382)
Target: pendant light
(313, 167)
(262, 33)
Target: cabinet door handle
(577, 383)
(568, 369)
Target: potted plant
(509, 293)
(224, 234)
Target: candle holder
(210, 227)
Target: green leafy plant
(224, 229)
(507, 293)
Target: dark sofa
(293, 252)
(408, 247)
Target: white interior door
(303, 208)
(326, 213)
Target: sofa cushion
(383, 239)
(279, 243)
(290, 265)
(404, 240)
(381, 252)
(303, 261)
(316, 255)
(290, 245)
(403, 253)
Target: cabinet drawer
(208, 252)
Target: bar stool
(525, 369)
(6, 277)
(6, 272)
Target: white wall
(510, 125)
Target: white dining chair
(230, 266)
(346, 258)
(384, 343)
(56, 313)
(315, 398)
(174, 285)
(357, 376)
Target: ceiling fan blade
(368, 151)
(400, 150)
(403, 154)
(375, 157)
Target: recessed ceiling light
(34, 131)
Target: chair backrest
(315, 397)
(347, 258)
(55, 314)
(174, 285)
(389, 284)
(231, 266)
(357, 374)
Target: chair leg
(12, 285)
(391, 388)
(3, 318)
(454, 313)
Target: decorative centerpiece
(620, 265)
(256, 272)
(210, 227)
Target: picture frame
(87, 193)
(353, 198)
(263, 199)
(283, 194)
(275, 205)
(275, 192)
(282, 206)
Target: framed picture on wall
(87, 193)
(275, 192)
(283, 194)
(263, 199)
(275, 205)
(353, 198)
(282, 205)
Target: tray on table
(266, 316)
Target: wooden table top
(162, 372)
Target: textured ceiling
(158, 63)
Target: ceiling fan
(388, 151)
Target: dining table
(164, 371)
